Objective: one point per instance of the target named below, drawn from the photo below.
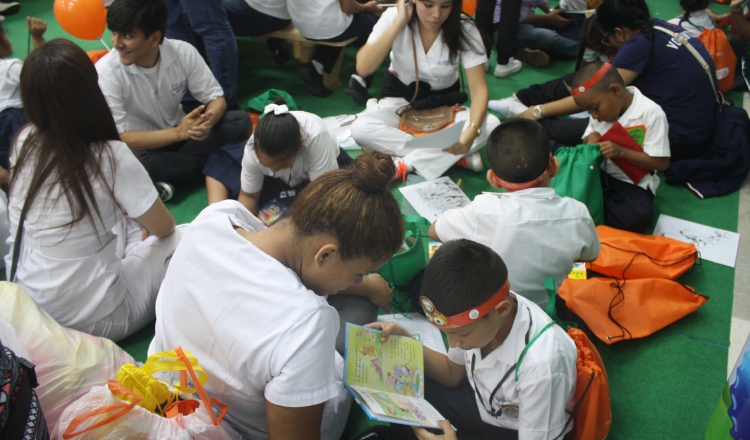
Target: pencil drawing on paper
(434, 197)
(704, 241)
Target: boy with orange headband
(539, 234)
(632, 133)
(510, 372)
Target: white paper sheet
(434, 197)
(714, 244)
(440, 139)
(420, 328)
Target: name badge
(285, 194)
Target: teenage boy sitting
(539, 233)
(640, 149)
(486, 386)
(144, 79)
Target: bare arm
(37, 28)
(480, 96)
(371, 55)
(355, 7)
(373, 287)
(249, 201)
(157, 219)
(611, 150)
(285, 423)
(433, 232)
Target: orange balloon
(84, 19)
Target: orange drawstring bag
(593, 412)
(628, 255)
(721, 51)
(617, 310)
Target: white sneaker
(507, 107)
(505, 70)
(165, 190)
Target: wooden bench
(304, 49)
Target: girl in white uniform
(443, 37)
(286, 151)
(84, 204)
(249, 302)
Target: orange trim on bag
(116, 388)
(208, 402)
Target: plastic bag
(259, 103)
(68, 363)
(721, 51)
(134, 422)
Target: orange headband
(467, 317)
(591, 82)
(523, 185)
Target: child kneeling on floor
(629, 176)
(510, 372)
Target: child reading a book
(632, 133)
(544, 233)
(510, 371)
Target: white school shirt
(10, 80)
(435, 66)
(696, 22)
(134, 103)
(574, 5)
(535, 405)
(317, 156)
(319, 19)
(537, 233)
(258, 332)
(651, 117)
(527, 7)
(73, 272)
(274, 8)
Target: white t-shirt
(274, 8)
(258, 332)
(73, 272)
(574, 5)
(10, 80)
(319, 19)
(435, 66)
(317, 156)
(135, 105)
(537, 233)
(650, 117)
(535, 405)
(527, 7)
(696, 22)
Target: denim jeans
(196, 20)
(547, 40)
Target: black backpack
(21, 415)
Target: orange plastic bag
(593, 412)
(725, 60)
(469, 7)
(617, 310)
(628, 255)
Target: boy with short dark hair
(639, 150)
(540, 234)
(510, 371)
(144, 79)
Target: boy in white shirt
(487, 386)
(144, 80)
(544, 233)
(631, 182)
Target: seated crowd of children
(263, 308)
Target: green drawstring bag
(403, 266)
(259, 103)
(579, 177)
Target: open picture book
(387, 379)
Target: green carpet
(663, 387)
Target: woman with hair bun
(249, 301)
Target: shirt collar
(531, 193)
(635, 111)
(510, 350)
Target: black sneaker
(9, 8)
(281, 56)
(165, 190)
(313, 81)
(357, 91)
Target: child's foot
(536, 58)
(472, 161)
(165, 190)
(507, 107)
(506, 70)
(402, 168)
(357, 90)
(313, 80)
(9, 8)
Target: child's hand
(388, 329)
(378, 291)
(37, 26)
(202, 128)
(610, 150)
(405, 9)
(189, 121)
(448, 432)
(556, 20)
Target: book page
(396, 366)
(410, 410)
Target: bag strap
(704, 64)
(207, 402)
(22, 218)
(18, 416)
(416, 68)
(122, 408)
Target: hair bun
(279, 101)
(372, 172)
